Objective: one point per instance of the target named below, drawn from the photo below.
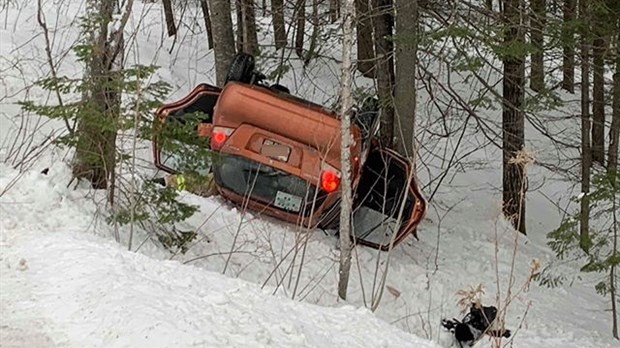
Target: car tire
(241, 68)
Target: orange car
(280, 155)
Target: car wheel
(241, 68)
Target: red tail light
(330, 181)
(219, 137)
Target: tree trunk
(169, 15)
(537, 27)
(250, 39)
(405, 51)
(315, 33)
(365, 49)
(95, 153)
(239, 27)
(614, 130)
(598, 96)
(300, 28)
(334, 10)
(383, 24)
(223, 38)
(513, 121)
(346, 196)
(568, 45)
(612, 271)
(205, 14)
(586, 154)
(277, 10)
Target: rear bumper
(248, 203)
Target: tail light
(330, 178)
(219, 136)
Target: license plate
(275, 150)
(288, 201)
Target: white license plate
(288, 201)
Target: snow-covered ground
(65, 282)
(62, 287)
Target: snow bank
(73, 289)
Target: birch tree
(348, 12)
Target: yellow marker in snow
(180, 182)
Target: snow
(64, 288)
(65, 282)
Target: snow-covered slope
(61, 287)
(77, 288)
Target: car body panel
(201, 99)
(389, 197)
(278, 113)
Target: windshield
(266, 184)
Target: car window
(268, 185)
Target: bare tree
(586, 154)
(489, 4)
(205, 13)
(513, 121)
(568, 45)
(537, 27)
(223, 38)
(169, 15)
(314, 18)
(300, 28)
(365, 49)
(239, 27)
(348, 12)
(334, 10)
(277, 11)
(248, 19)
(405, 51)
(599, 47)
(383, 24)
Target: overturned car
(277, 154)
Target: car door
(181, 131)
(388, 202)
